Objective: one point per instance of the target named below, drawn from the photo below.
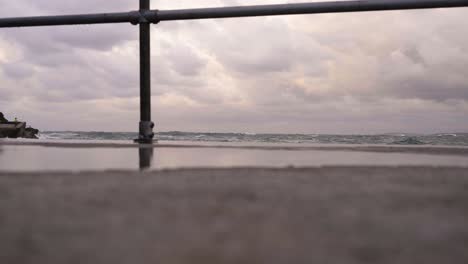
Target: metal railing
(145, 16)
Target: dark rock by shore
(16, 129)
(2, 118)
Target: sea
(446, 139)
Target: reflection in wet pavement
(26, 158)
(145, 155)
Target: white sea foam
(452, 139)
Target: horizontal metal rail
(306, 8)
(103, 18)
(155, 16)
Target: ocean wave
(461, 139)
(409, 141)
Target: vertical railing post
(146, 125)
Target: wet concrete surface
(66, 156)
(245, 215)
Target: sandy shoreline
(244, 215)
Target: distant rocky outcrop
(16, 129)
(2, 118)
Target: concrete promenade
(243, 215)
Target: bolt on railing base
(146, 135)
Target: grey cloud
(56, 61)
(64, 39)
(184, 60)
(413, 54)
(18, 70)
(5, 96)
(101, 37)
(266, 46)
(86, 6)
(428, 89)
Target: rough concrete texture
(316, 215)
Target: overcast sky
(399, 71)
